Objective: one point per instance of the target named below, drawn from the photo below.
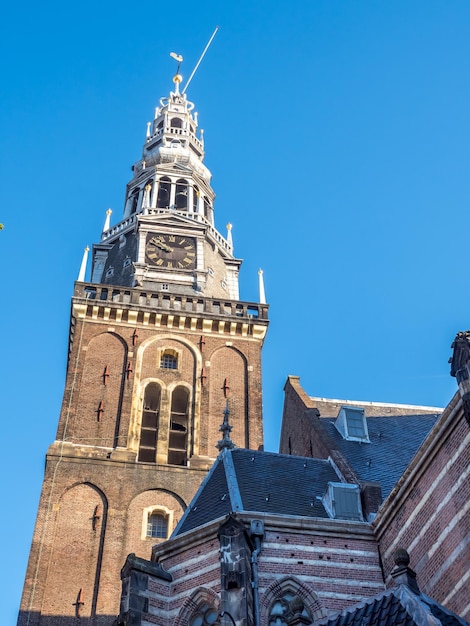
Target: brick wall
(68, 554)
(93, 462)
(427, 513)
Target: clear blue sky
(338, 136)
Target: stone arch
(150, 499)
(164, 192)
(228, 363)
(147, 368)
(181, 194)
(79, 526)
(97, 421)
(198, 599)
(292, 586)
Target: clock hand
(160, 244)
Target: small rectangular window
(157, 526)
(169, 361)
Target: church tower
(159, 343)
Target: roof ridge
(232, 480)
(378, 404)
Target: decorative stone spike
(229, 235)
(107, 221)
(81, 274)
(262, 294)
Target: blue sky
(338, 136)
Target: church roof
(394, 440)
(261, 482)
(399, 605)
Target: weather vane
(177, 79)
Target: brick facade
(328, 563)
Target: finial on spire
(148, 129)
(262, 295)
(229, 235)
(225, 443)
(81, 274)
(107, 221)
(177, 78)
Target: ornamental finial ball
(177, 79)
(401, 557)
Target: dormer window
(352, 424)
(343, 501)
(110, 272)
(127, 262)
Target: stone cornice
(273, 523)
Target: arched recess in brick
(79, 530)
(277, 596)
(228, 363)
(149, 367)
(99, 405)
(168, 503)
(202, 603)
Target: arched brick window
(178, 439)
(201, 609)
(205, 615)
(286, 597)
(149, 427)
(280, 611)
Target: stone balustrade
(159, 301)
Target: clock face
(171, 251)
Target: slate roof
(396, 606)
(262, 482)
(394, 440)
